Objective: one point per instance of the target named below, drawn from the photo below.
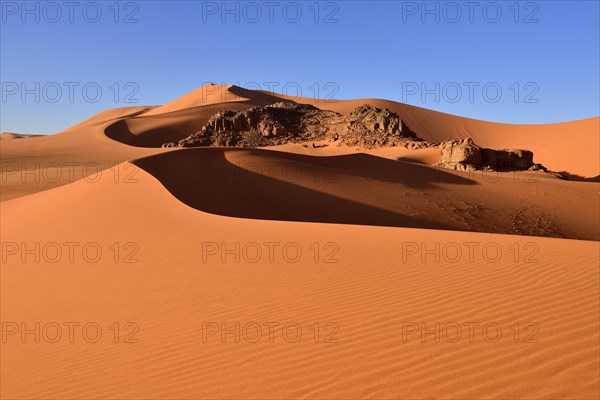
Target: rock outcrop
(369, 126)
(365, 127)
(262, 126)
(287, 122)
(465, 155)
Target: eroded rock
(286, 122)
(465, 155)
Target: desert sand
(296, 271)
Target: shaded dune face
(267, 185)
(361, 189)
(358, 188)
(155, 129)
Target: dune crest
(578, 158)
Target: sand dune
(40, 163)
(367, 303)
(274, 185)
(150, 127)
(367, 273)
(11, 136)
(570, 147)
(209, 95)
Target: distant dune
(10, 136)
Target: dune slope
(95, 144)
(370, 190)
(128, 271)
(369, 289)
(570, 147)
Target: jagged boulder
(466, 155)
(367, 118)
(461, 152)
(369, 126)
(511, 160)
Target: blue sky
(507, 61)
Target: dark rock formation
(369, 126)
(287, 122)
(467, 156)
(365, 127)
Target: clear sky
(507, 61)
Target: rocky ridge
(287, 122)
(366, 126)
